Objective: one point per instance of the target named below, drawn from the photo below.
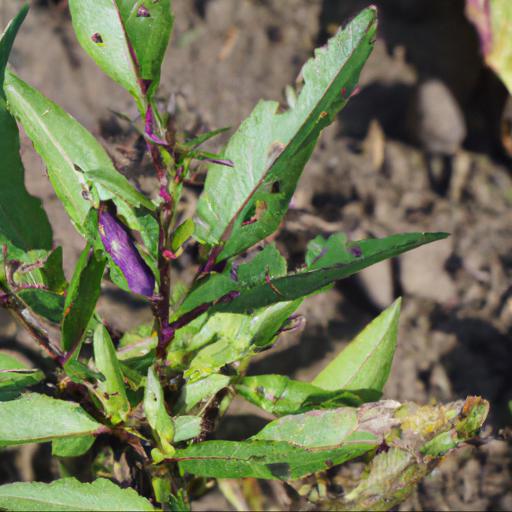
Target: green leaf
(281, 395)
(35, 418)
(272, 460)
(182, 234)
(187, 427)
(99, 28)
(351, 257)
(82, 295)
(148, 25)
(15, 376)
(270, 149)
(44, 303)
(158, 418)
(72, 446)
(365, 363)
(313, 429)
(112, 391)
(76, 161)
(23, 222)
(195, 392)
(70, 494)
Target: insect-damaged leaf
(270, 149)
(281, 395)
(16, 204)
(35, 418)
(70, 153)
(366, 362)
(70, 494)
(83, 293)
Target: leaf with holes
(270, 149)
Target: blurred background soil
(423, 146)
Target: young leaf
(159, 420)
(148, 25)
(366, 362)
(270, 149)
(35, 418)
(17, 205)
(83, 293)
(70, 152)
(70, 494)
(112, 390)
(15, 377)
(281, 395)
(72, 446)
(99, 28)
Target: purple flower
(119, 244)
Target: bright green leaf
(35, 418)
(270, 149)
(195, 392)
(15, 376)
(187, 427)
(72, 446)
(100, 31)
(366, 362)
(68, 494)
(158, 418)
(112, 391)
(281, 395)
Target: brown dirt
(383, 167)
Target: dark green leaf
(23, 222)
(83, 293)
(281, 395)
(112, 391)
(44, 303)
(35, 418)
(148, 25)
(15, 376)
(353, 257)
(270, 149)
(68, 494)
(72, 446)
(366, 362)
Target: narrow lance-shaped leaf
(366, 362)
(281, 395)
(270, 149)
(44, 303)
(159, 420)
(23, 222)
(70, 152)
(337, 260)
(35, 418)
(112, 391)
(100, 31)
(68, 494)
(83, 293)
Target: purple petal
(119, 244)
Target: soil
(418, 149)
